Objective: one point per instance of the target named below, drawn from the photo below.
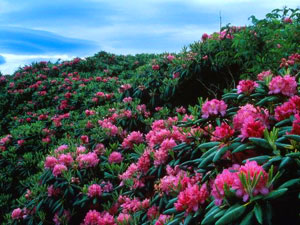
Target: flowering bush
(103, 140)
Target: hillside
(210, 135)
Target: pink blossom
(87, 160)
(50, 162)
(21, 142)
(175, 75)
(53, 191)
(252, 128)
(124, 218)
(94, 190)
(162, 219)
(285, 110)
(152, 212)
(127, 99)
(190, 199)
(296, 125)
(251, 170)
(261, 76)
(286, 85)
(58, 169)
(161, 155)
(17, 214)
(61, 148)
(225, 178)
(249, 111)
(65, 159)
(170, 57)
(134, 137)
(155, 67)
(115, 157)
(288, 20)
(222, 133)
(213, 108)
(246, 86)
(205, 36)
(84, 139)
(92, 218)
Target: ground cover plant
(210, 135)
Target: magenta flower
(246, 86)
(115, 157)
(286, 85)
(251, 170)
(213, 108)
(58, 169)
(17, 214)
(94, 190)
(191, 198)
(222, 133)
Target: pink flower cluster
(132, 205)
(191, 198)
(111, 129)
(291, 107)
(214, 107)
(94, 217)
(94, 190)
(286, 85)
(296, 125)
(134, 137)
(251, 121)
(222, 133)
(161, 155)
(261, 76)
(115, 157)
(176, 180)
(230, 179)
(246, 87)
(87, 160)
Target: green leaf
(290, 183)
(247, 219)
(170, 211)
(188, 219)
(284, 162)
(259, 159)
(258, 213)
(275, 194)
(220, 153)
(208, 145)
(293, 137)
(260, 142)
(231, 215)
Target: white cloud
(13, 62)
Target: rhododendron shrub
(129, 140)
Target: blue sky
(34, 30)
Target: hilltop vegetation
(210, 135)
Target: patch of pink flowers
(58, 169)
(252, 128)
(296, 125)
(251, 170)
(261, 76)
(17, 214)
(214, 107)
(94, 190)
(134, 137)
(222, 133)
(291, 107)
(286, 85)
(115, 157)
(191, 198)
(248, 112)
(218, 190)
(87, 160)
(246, 87)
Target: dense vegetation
(210, 135)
